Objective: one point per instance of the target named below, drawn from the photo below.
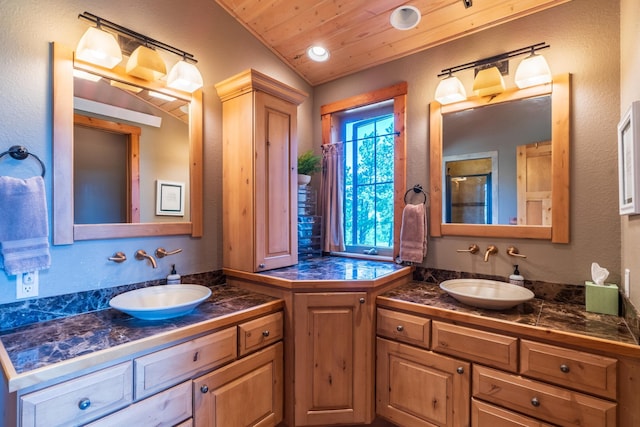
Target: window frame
(397, 93)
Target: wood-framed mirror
(553, 212)
(65, 228)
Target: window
(368, 131)
(368, 181)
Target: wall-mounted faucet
(491, 250)
(162, 252)
(118, 257)
(141, 254)
(473, 249)
(513, 251)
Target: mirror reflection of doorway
(469, 199)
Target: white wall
(629, 92)
(584, 39)
(222, 47)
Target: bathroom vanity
(106, 368)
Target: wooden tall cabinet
(259, 172)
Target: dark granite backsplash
(22, 313)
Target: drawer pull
(399, 328)
(261, 265)
(564, 368)
(204, 389)
(84, 404)
(460, 370)
(265, 334)
(195, 356)
(535, 402)
(361, 300)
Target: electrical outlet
(27, 285)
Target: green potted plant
(308, 164)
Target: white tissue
(598, 274)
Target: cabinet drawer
(490, 349)
(170, 366)
(570, 368)
(404, 327)
(163, 409)
(98, 393)
(259, 333)
(483, 415)
(546, 402)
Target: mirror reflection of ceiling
(142, 101)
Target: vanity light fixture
(99, 47)
(450, 90)
(405, 17)
(318, 53)
(145, 62)
(532, 71)
(489, 81)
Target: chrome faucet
(141, 254)
(491, 249)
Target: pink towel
(413, 234)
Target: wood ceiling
(358, 33)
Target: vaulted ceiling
(358, 33)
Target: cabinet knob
(84, 404)
(535, 402)
(361, 300)
(261, 265)
(399, 328)
(204, 389)
(460, 370)
(265, 333)
(564, 368)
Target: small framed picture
(169, 198)
(629, 160)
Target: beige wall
(584, 40)
(222, 47)
(629, 92)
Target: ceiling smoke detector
(405, 17)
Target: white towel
(413, 234)
(24, 225)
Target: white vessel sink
(160, 302)
(489, 294)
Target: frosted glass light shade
(184, 76)
(100, 48)
(488, 82)
(146, 64)
(450, 90)
(532, 71)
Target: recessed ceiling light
(318, 53)
(405, 17)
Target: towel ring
(416, 189)
(20, 152)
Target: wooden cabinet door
(416, 387)
(333, 358)
(534, 171)
(247, 393)
(275, 195)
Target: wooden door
(333, 342)
(416, 387)
(534, 183)
(275, 183)
(247, 393)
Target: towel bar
(20, 152)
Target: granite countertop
(336, 269)
(107, 334)
(564, 317)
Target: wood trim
(560, 117)
(63, 151)
(196, 167)
(118, 231)
(250, 80)
(365, 98)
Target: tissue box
(602, 299)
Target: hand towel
(24, 225)
(413, 234)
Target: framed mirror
(142, 171)
(499, 166)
